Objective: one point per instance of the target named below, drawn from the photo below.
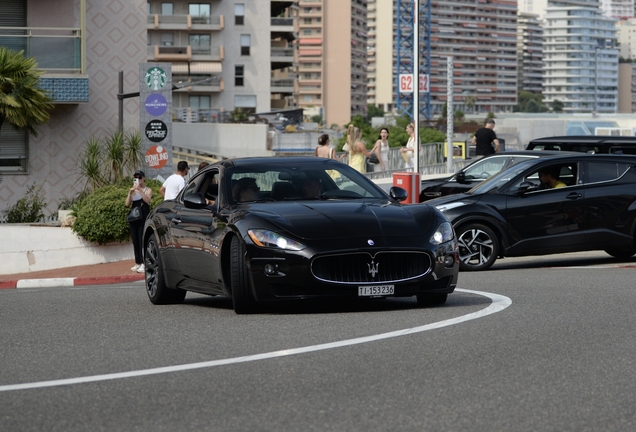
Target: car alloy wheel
(156, 288)
(478, 247)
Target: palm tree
(23, 104)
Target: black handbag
(135, 214)
(374, 159)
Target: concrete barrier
(27, 248)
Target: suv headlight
(443, 233)
(266, 238)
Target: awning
(196, 67)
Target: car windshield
(317, 180)
(495, 182)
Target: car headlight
(443, 233)
(444, 207)
(266, 238)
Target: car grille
(363, 267)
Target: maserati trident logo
(373, 268)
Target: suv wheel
(478, 247)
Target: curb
(76, 281)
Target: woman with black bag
(139, 197)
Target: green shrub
(101, 215)
(29, 208)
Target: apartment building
(618, 9)
(332, 59)
(627, 38)
(626, 88)
(380, 54)
(482, 39)
(529, 52)
(580, 57)
(234, 54)
(81, 45)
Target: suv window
(605, 171)
(567, 173)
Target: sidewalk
(99, 274)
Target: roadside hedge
(101, 215)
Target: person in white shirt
(173, 184)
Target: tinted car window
(567, 175)
(605, 171)
(485, 168)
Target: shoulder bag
(135, 214)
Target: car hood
(326, 219)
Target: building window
(307, 98)
(245, 101)
(200, 13)
(200, 44)
(245, 44)
(167, 8)
(167, 39)
(148, 8)
(13, 150)
(199, 102)
(239, 14)
(239, 71)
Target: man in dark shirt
(484, 139)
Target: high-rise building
(580, 57)
(529, 52)
(618, 9)
(380, 54)
(482, 39)
(627, 38)
(235, 54)
(332, 59)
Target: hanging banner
(155, 118)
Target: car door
(198, 255)
(610, 196)
(545, 220)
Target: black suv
(586, 144)
(514, 214)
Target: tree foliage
(29, 208)
(530, 102)
(23, 104)
(101, 215)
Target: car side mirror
(398, 194)
(460, 177)
(527, 186)
(195, 201)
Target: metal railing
(56, 49)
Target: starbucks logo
(155, 78)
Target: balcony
(282, 86)
(283, 28)
(185, 22)
(185, 53)
(281, 57)
(215, 86)
(58, 52)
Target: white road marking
(498, 304)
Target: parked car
(586, 144)
(475, 173)
(344, 239)
(514, 214)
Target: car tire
(435, 299)
(158, 291)
(478, 247)
(242, 298)
(620, 253)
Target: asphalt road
(560, 357)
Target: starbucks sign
(155, 118)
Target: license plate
(376, 290)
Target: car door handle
(574, 196)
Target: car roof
(585, 139)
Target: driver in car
(549, 177)
(311, 188)
(245, 189)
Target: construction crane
(404, 54)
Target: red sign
(156, 157)
(406, 83)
